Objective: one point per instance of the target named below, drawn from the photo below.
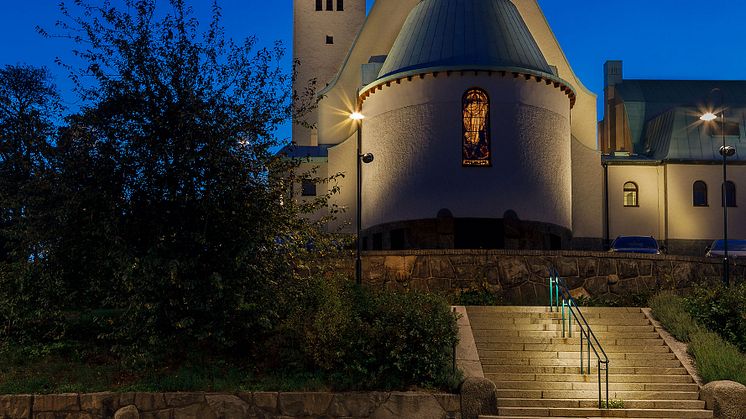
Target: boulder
(127, 412)
(478, 397)
(726, 398)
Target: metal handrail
(560, 299)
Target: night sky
(665, 39)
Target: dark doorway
(479, 233)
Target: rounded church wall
(414, 129)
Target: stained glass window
(630, 194)
(476, 129)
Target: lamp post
(725, 151)
(361, 158)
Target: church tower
(323, 32)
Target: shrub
(717, 359)
(372, 339)
(721, 309)
(670, 310)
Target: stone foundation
(520, 277)
(248, 405)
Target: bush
(717, 359)
(370, 339)
(670, 310)
(721, 309)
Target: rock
(580, 292)
(440, 267)
(411, 406)
(127, 412)
(227, 406)
(726, 398)
(266, 401)
(304, 404)
(16, 406)
(183, 399)
(195, 411)
(355, 404)
(150, 401)
(57, 403)
(478, 397)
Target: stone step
(519, 319)
(499, 344)
(593, 394)
(601, 336)
(505, 333)
(521, 310)
(488, 353)
(558, 362)
(613, 386)
(628, 404)
(614, 413)
(531, 369)
(590, 378)
(486, 323)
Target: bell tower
(323, 32)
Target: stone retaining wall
(247, 405)
(520, 277)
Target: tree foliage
(169, 207)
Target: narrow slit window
(329, 40)
(319, 5)
(699, 194)
(729, 197)
(340, 5)
(330, 5)
(631, 192)
(476, 129)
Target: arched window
(730, 194)
(476, 129)
(699, 194)
(319, 5)
(630, 194)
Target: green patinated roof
(664, 116)
(464, 34)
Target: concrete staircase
(537, 372)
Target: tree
(171, 215)
(29, 105)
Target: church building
(482, 136)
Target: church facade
(482, 135)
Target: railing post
(551, 292)
(589, 351)
(581, 351)
(563, 318)
(569, 317)
(599, 387)
(606, 367)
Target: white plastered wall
(414, 129)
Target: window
(340, 5)
(329, 40)
(699, 194)
(476, 128)
(330, 5)
(731, 129)
(730, 194)
(308, 188)
(630, 194)
(319, 5)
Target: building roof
(464, 34)
(646, 101)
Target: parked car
(736, 249)
(635, 244)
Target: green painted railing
(562, 301)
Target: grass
(716, 359)
(65, 369)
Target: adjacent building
(484, 137)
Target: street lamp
(725, 151)
(361, 158)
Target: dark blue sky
(669, 39)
